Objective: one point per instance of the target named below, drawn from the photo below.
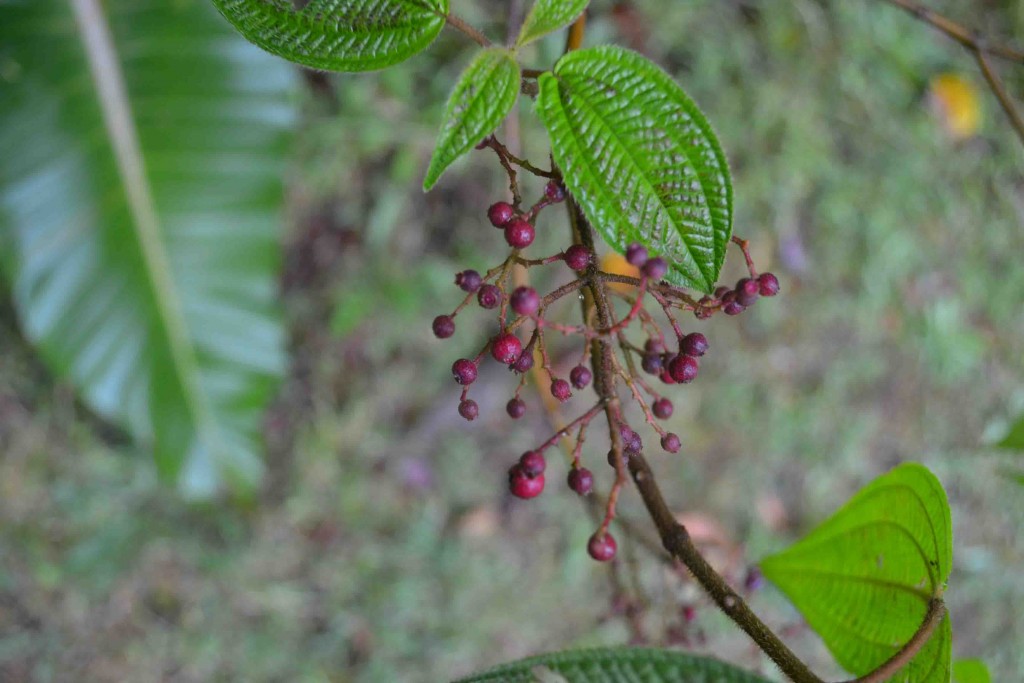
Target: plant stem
(471, 31)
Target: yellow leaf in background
(617, 264)
(955, 101)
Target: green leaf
(640, 158)
(865, 577)
(971, 671)
(549, 15)
(339, 35)
(483, 96)
(1014, 439)
(612, 665)
(143, 146)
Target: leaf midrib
(116, 111)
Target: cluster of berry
(523, 305)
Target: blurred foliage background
(874, 173)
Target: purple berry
(611, 458)
(662, 409)
(522, 485)
(602, 547)
(469, 409)
(560, 389)
(654, 346)
(768, 284)
(694, 344)
(636, 254)
(666, 376)
(525, 300)
(754, 580)
(464, 371)
(580, 376)
(500, 214)
(670, 442)
(506, 348)
(554, 191)
(444, 326)
(489, 296)
(733, 308)
(651, 363)
(655, 268)
(683, 368)
(581, 480)
(721, 291)
(519, 234)
(468, 280)
(524, 363)
(631, 441)
(515, 408)
(577, 257)
(746, 291)
(533, 463)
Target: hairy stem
(471, 31)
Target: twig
(980, 47)
(460, 25)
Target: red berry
(500, 214)
(694, 344)
(489, 296)
(464, 371)
(444, 326)
(469, 409)
(636, 254)
(746, 291)
(602, 547)
(560, 390)
(666, 376)
(515, 408)
(522, 485)
(519, 234)
(662, 408)
(524, 363)
(468, 280)
(670, 442)
(577, 257)
(655, 268)
(506, 348)
(683, 368)
(580, 376)
(581, 480)
(768, 284)
(525, 300)
(533, 463)
(554, 191)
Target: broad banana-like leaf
(141, 145)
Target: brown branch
(980, 47)
(1000, 92)
(471, 31)
(970, 39)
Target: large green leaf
(142, 146)
(482, 98)
(339, 35)
(549, 15)
(641, 159)
(616, 665)
(865, 577)
(971, 671)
